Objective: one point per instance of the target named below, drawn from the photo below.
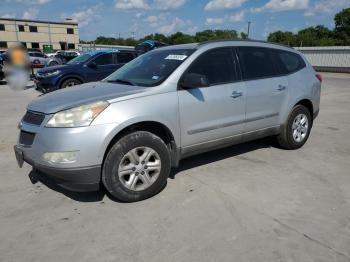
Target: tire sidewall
(110, 176)
(299, 109)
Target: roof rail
(242, 40)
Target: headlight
(49, 74)
(78, 116)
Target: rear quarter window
(290, 62)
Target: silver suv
(127, 131)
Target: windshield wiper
(121, 81)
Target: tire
(295, 133)
(128, 182)
(70, 82)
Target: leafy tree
(342, 27)
(318, 35)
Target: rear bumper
(83, 179)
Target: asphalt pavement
(251, 202)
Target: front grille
(26, 138)
(33, 118)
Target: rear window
(290, 62)
(256, 62)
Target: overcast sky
(123, 17)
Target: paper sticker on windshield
(176, 57)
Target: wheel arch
(154, 127)
(308, 104)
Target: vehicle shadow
(96, 196)
(185, 164)
(220, 154)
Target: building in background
(39, 34)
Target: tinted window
(35, 45)
(33, 29)
(105, 59)
(217, 65)
(21, 28)
(3, 44)
(2, 27)
(70, 31)
(290, 62)
(123, 58)
(256, 62)
(71, 46)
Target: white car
(62, 52)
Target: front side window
(150, 69)
(33, 29)
(123, 58)
(217, 65)
(70, 31)
(256, 62)
(2, 27)
(21, 28)
(104, 59)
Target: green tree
(342, 27)
(286, 38)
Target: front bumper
(82, 179)
(89, 143)
(45, 85)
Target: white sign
(176, 57)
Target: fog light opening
(60, 157)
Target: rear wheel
(70, 82)
(297, 129)
(136, 167)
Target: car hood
(58, 67)
(83, 94)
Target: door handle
(236, 94)
(281, 88)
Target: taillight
(319, 77)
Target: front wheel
(136, 167)
(70, 82)
(297, 129)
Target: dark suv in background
(88, 67)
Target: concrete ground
(251, 202)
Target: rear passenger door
(210, 114)
(266, 87)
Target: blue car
(88, 67)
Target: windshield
(79, 59)
(150, 69)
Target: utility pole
(133, 35)
(248, 29)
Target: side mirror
(92, 65)
(194, 81)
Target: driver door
(213, 115)
(104, 67)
